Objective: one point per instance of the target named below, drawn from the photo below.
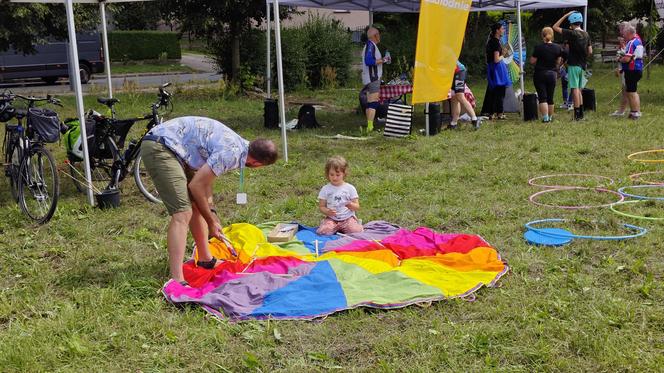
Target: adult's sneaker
(634, 115)
(617, 113)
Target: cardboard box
(283, 232)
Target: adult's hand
(214, 229)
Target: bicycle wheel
(38, 185)
(13, 164)
(144, 181)
(100, 173)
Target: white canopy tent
(398, 6)
(73, 52)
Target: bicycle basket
(45, 124)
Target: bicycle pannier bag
(73, 142)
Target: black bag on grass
(306, 117)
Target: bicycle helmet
(575, 17)
(6, 112)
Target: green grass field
(82, 293)
(150, 67)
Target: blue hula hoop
(640, 231)
(622, 191)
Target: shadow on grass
(135, 280)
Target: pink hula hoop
(532, 181)
(603, 190)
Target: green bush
(143, 45)
(253, 56)
(319, 45)
(400, 40)
(252, 52)
(327, 45)
(293, 48)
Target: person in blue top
(632, 67)
(183, 156)
(372, 72)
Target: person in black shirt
(546, 58)
(497, 77)
(579, 50)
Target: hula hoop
(533, 196)
(640, 217)
(532, 181)
(640, 231)
(631, 156)
(622, 191)
(637, 178)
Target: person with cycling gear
(459, 101)
(632, 68)
(183, 157)
(372, 72)
(579, 50)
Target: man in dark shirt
(579, 50)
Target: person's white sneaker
(634, 115)
(617, 114)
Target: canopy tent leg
(585, 18)
(71, 28)
(104, 38)
(426, 119)
(280, 78)
(521, 73)
(268, 67)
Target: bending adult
(372, 72)
(632, 67)
(183, 157)
(497, 77)
(579, 50)
(546, 57)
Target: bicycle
(109, 165)
(29, 166)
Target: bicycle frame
(121, 166)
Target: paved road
(197, 62)
(37, 87)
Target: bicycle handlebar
(31, 99)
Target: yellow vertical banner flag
(439, 38)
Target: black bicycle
(29, 166)
(109, 165)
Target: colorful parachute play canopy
(383, 267)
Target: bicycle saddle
(107, 101)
